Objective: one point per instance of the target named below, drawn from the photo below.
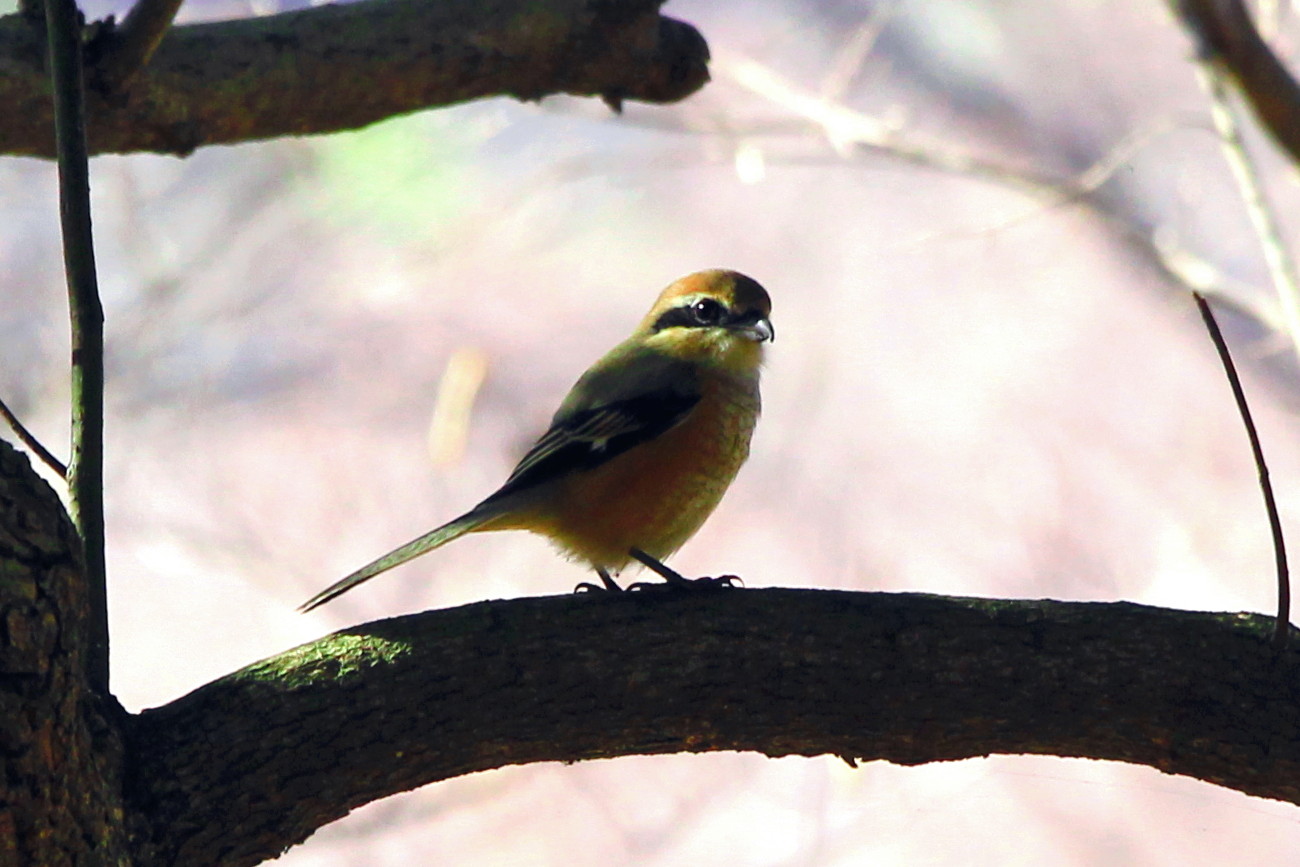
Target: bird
(642, 449)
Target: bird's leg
(675, 579)
(654, 565)
(610, 585)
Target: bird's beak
(758, 331)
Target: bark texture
(298, 740)
(60, 744)
(337, 67)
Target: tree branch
(1226, 36)
(254, 762)
(61, 776)
(343, 66)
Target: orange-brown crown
(741, 298)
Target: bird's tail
(436, 538)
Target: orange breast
(656, 495)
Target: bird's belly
(655, 495)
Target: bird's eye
(707, 311)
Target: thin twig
(1282, 630)
(1281, 267)
(32, 443)
(128, 47)
(852, 133)
(848, 61)
(86, 469)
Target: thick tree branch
(61, 771)
(256, 761)
(342, 66)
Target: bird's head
(719, 316)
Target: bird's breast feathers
(656, 493)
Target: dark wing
(585, 438)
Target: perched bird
(643, 448)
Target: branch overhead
(343, 66)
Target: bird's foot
(674, 580)
(689, 584)
(606, 585)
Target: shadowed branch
(299, 740)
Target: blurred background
(983, 384)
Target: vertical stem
(86, 469)
(1282, 626)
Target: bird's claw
(689, 584)
(606, 585)
(589, 587)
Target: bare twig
(128, 47)
(31, 442)
(1282, 628)
(848, 131)
(1200, 275)
(851, 133)
(849, 59)
(1281, 266)
(86, 470)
